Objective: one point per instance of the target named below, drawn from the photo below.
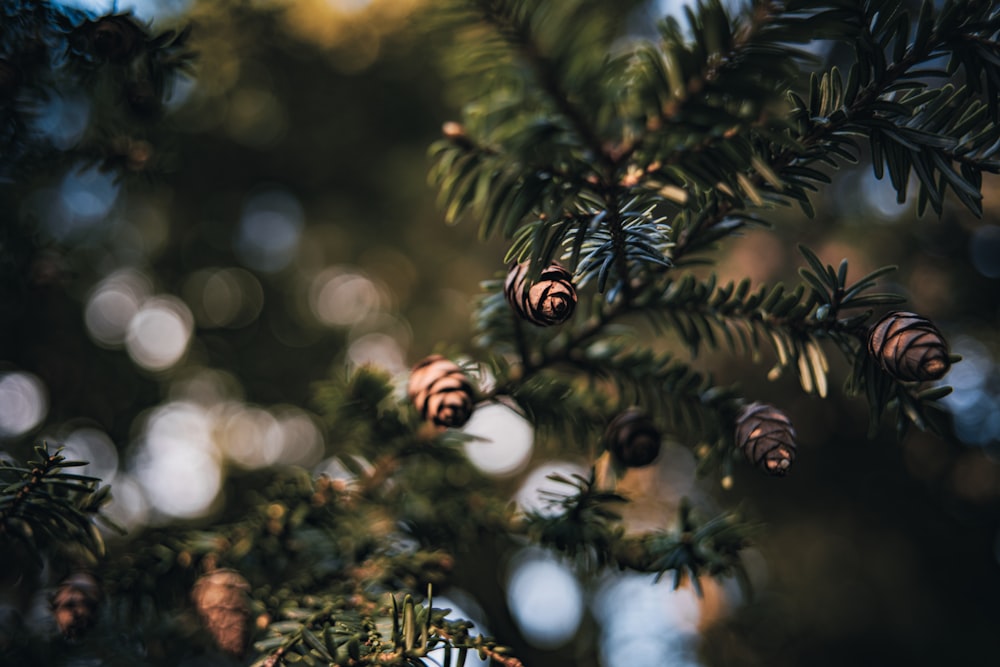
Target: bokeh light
(249, 436)
(230, 297)
(377, 349)
(269, 230)
(504, 440)
(159, 333)
(176, 463)
(23, 403)
(531, 495)
(147, 10)
(129, 506)
(302, 441)
(112, 304)
(544, 597)
(80, 205)
(63, 119)
(645, 624)
(92, 445)
(466, 609)
(340, 296)
(974, 406)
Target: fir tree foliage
(628, 159)
(119, 71)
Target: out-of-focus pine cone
(74, 604)
(633, 439)
(221, 600)
(549, 300)
(909, 347)
(115, 38)
(441, 392)
(766, 436)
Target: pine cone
(221, 600)
(441, 392)
(633, 439)
(549, 300)
(115, 38)
(909, 347)
(74, 604)
(766, 436)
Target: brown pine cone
(221, 600)
(633, 439)
(116, 38)
(549, 300)
(909, 347)
(441, 392)
(766, 436)
(74, 604)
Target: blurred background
(168, 325)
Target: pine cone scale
(766, 437)
(441, 392)
(909, 347)
(548, 301)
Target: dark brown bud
(633, 439)
(909, 347)
(441, 391)
(114, 38)
(549, 300)
(766, 436)
(221, 598)
(74, 604)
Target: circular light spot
(112, 305)
(64, 119)
(176, 461)
(458, 612)
(181, 482)
(302, 442)
(81, 204)
(93, 445)
(129, 507)
(23, 403)
(530, 496)
(545, 599)
(269, 231)
(505, 440)
(249, 436)
(159, 334)
(377, 349)
(342, 298)
(668, 620)
(224, 297)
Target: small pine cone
(549, 300)
(909, 347)
(221, 600)
(633, 439)
(74, 604)
(115, 38)
(766, 436)
(441, 392)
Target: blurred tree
(218, 271)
